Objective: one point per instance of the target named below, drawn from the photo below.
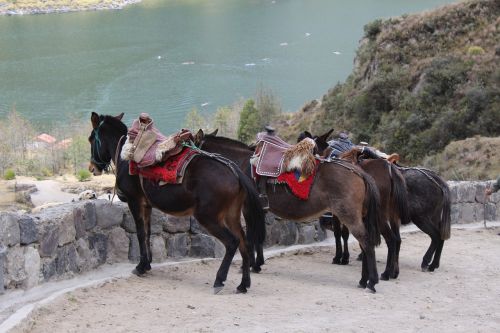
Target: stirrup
(264, 201)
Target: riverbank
(28, 7)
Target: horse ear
(307, 134)
(214, 133)
(94, 119)
(198, 138)
(325, 136)
(120, 116)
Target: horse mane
(226, 140)
(351, 155)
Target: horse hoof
(256, 269)
(336, 261)
(344, 262)
(218, 289)
(371, 288)
(241, 290)
(137, 272)
(362, 284)
(384, 276)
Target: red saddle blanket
(170, 171)
(299, 187)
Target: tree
(194, 120)
(226, 120)
(249, 124)
(268, 106)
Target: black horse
(429, 203)
(213, 190)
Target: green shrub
(83, 175)
(475, 50)
(9, 174)
(372, 29)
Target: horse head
(199, 138)
(102, 135)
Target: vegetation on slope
(419, 83)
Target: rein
(218, 157)
(425, 173)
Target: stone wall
(68, 239)
(65, 240)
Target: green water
(166, 57)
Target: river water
(167, 57)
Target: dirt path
(297, 293)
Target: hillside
(22, 7)
(419, 82)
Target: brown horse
(393, 205)
(428, 204)
(339, 187)
(213, 190)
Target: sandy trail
(299, 292)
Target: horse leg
(369, 274)
(345, 237)
(231, 244)
(397, 237)
(337, 232)
(437, 256)
(259, 249)
(233, 221)
(391, 250)
(147, 210)
(425, 224)
(138, 208)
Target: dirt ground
(297, 292)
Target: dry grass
(469, 159)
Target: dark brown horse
(338, 187)
(428, 205)
(213, 190)
(393, 206)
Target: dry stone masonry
(65, 240)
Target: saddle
(269, 155)
(146, 146)
(273, 156)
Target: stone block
(89, 215)
(98, 243)
(84, 260)
(28, 230)
(196, 227)
(118, 244)
(66, 260)
(128, 222)
(67, 231)
(174, 224)
(158, 249)
(320, 232)
(108, 215)
(79, 221)
(134, 252)
(288, 233)
(9, 229)
(49, 240)
(202, 246)
(158, 219)
(490, 212)
(3, 251)
(178, 245)
(31, 267)
(48, 268)
(14, 267)
(466, 192)
(219, 248)
(307, 234)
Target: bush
(475, 50)
(83, 175)
(372, 29)
(9, 174)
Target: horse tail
(255, 216)
(399, 194)
(372, 206)
(445, 222)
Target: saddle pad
(300, 188)
(169, 172)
